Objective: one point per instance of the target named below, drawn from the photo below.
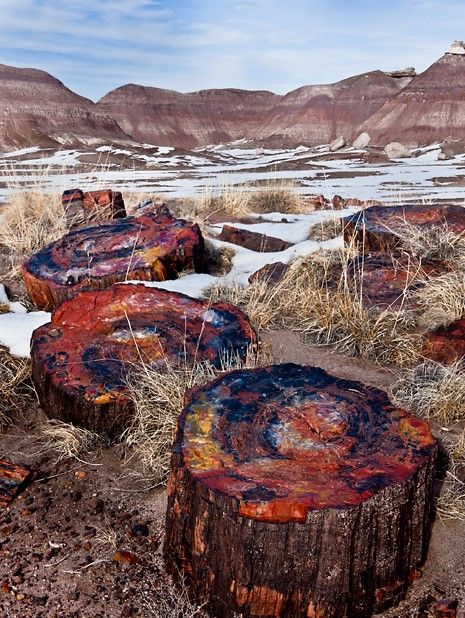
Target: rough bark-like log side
(270, 273)
(13, 479)
(82, 208)
(297, 494)
(377, 228)
(253, 240)
(446, 344)
(80, 360)
(389, 281)
(152, 247)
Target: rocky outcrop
(170, 118)
(36, 108)
(430, 109)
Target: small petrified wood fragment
(82, 208)
(152, 247)
(253, 240)
(295, 493)
(380, 228)
(270, 273)
(13, 479)
(446, 344)
(389, 281)
(81, 359)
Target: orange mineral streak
(274, 511)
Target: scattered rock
(451, 148)
(152, 247)
(446, 344)
(126, 557)
(140, 530)
(407, 72)
(338, 202)
(446, 608)
(361, 141)
(13, 479)
(80, 360)
(375, 157)
(337, 144)
(396, 150)
(83, 208)
(270, 273)
(253, 240)
(457, 48)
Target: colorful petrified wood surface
(95, 337)
(152, 247)
(446, 344)
(12, 479)
(379, 228)
(391, 280)
(285, 440)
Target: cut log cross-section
(294, 493)
(381, 228)
(81, 359)
(152, 247)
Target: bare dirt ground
(59, 540)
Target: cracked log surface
(380, 228)
(152, 247)
(294, 493)
(81, 359)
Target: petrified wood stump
(379, 228)
(446, 344)
(389, 281)
(152, 247)
(253, 240)
(13, 479)
(82, 208)
(294, 493)
(81, 359)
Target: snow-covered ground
(164, 170)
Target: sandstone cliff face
(170, 118)
(309, 115)
(37, 109)
(318, 114)
(430, 109)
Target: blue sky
(96, 45)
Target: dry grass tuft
(14, 392)
(66, 440)
(31, 220)
(442, 300)
(451, 502)
(158, 399)
(437, 242)
(433, 391)
(326, 230)
(275, 197)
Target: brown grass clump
(326, 230)
(442, 300)
(437, 242)
(14, 391)
(433, 391)
(31, 220)
(158, 399)
(275, 197)
(451, 501)
(66, 440)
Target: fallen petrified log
(81, 359)
(446, 344)
(152, 247)
(381, 228)
(253, 240)
(13, 479)
(389, 281)
(270, 273)
(82, 208)
(294, 493)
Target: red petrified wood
(82, 208)
(152, 247)
(81, 359)
(13, 478)
(253, 240)
(446, 344)
(380, 228)
(294, 493)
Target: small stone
(139, 530)
(362, 141)
(80, 474)
(6, 589)
(396, 150)
(446, 608)
(337, 144)
(20, 596)
(126, 557)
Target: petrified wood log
(270, 273)
(446, 344)
(82, 208)
(253, 240)
(152, 247)
(294, 493)
(380, 228)
(81, 359)
(389, 281)
(13, 479)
